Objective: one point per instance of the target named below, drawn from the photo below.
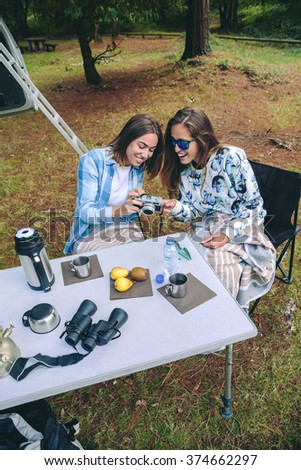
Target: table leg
(226, 411)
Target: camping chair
(280, 190)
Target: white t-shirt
(120, 185)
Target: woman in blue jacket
(109, 179)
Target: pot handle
(25, 318)
(168, 289)
(41, 273)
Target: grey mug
(80, 266)
(177, 286)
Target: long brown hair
(200, 127)
(139, 125)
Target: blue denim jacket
(95, 173)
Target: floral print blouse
(226, 185)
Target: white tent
(14, 99)
(18, 94)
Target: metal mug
(80, 266)
(177, 286)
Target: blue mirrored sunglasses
(181, 143)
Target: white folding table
(156, 333)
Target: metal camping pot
(9, 351)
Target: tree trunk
(232, 15)
(20, 10)
(91, 74)
(114, 30)
(24, 21)
(228, 14)
(223, 9)
(197, 29)
(97, 38)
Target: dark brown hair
(200, 127)
(137, 126)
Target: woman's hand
(215, 241)
(131, 205)
(136, 192)
(168, 205)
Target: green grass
(174, 406)
(286, 110)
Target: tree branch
(109, 49)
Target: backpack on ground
(35, 426)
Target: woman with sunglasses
(109, 179)
(218, 194)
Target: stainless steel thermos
(30, 247)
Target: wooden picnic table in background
(37, 44)
(34, 43)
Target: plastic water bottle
(170, 257)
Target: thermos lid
(25, 233)
(41, 311)
(42, 318)
(28, 241)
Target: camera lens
(148, 209)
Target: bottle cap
(159, 278)
(170, 241)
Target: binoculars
(81, 328)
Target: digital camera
(151, 204)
